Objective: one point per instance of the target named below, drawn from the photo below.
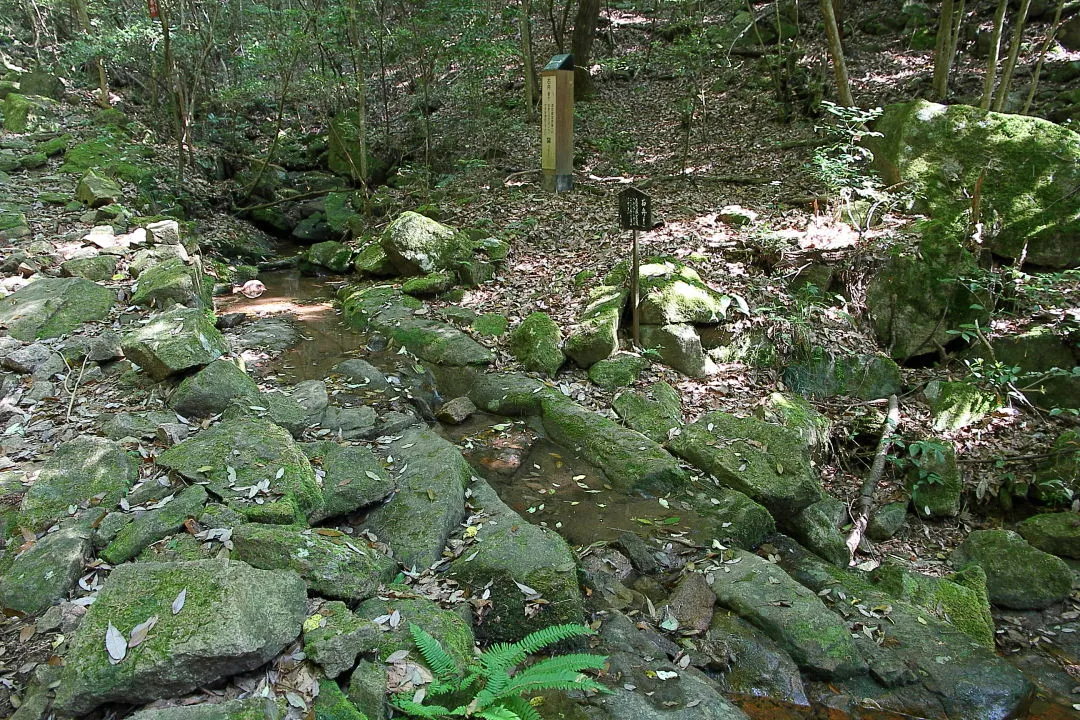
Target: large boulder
(254, 466)
(679, 347)
(934, 479)
(332, 565)
(765, 461)
(1048, 360)
(673, 294)
(632, 462)
(418, 245)
(1018, 576)
(44, 573)
(760, 592)
(731, 517)
(174, 341)
(79, 471)
(30, 113)
(232, 619)
(966, 607)
(50, 307)
(1055, 533)
(655, 413)
(511, 552)
(95, 190)
(955, 405)
(756, 665)
(537, 343)
(332, 255)
(1023, 168)
(430, 499)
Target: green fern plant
(493, 685)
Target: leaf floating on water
(178, 603)
(139, 633)
(663, 502)
(115, 644)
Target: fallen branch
(291, 198)
(513, 176)
(865, 505)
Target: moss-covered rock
(822, 374)
(596, 335)
(332, 255)
(113, 155)
(418, 245)
(955, 405)
(372, 260)
(446, 626)
(174, 341)
(80, 472)
(673, 293)
(173, 282)
(537, 342)
(430, 499)
(95, 190)
(796, 414)
(368, 690)
(254, 466)
(654, 413)
(155, 525)
(99, 268)
(791, 614)
(211, 390)
(731, 517)
(345, 146)
(679, 347)
(618, 371)
(1027, 202)
(513, 394)
(54, 146)
(1055, 533)
(1048, 360)
(631, 461)
(50, 307)
(255, 708)
(352, 477)
(962, 606)
(1018, 575)
(817, 528)
(233, 619)
(428, 285)
(334, 637)
(511, 552)
(757, 665)
(1057, 480)
(490, 325)
(44, 573)
(767, 462)
(934, 480)
(332, 704)
(887, 521)
(330, 564)
(25, 114)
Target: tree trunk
(1051, 33)
(836, 50)
(1014, 51)
(943, 58)
(588, 14)
(995, 51)
(529, 63)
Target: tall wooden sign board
(557, 124)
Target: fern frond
(538, 682)
(501, 656)
(550, 635)
(415, 709)
(439, 661)
(523, 708)
(498, 713)
(573, 662)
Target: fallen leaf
(178, 603)
(115, 644)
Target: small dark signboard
(635, 210)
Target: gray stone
(338, 639)
(78, 471)
(430, 501)
(673, 294)
(352, 478)
(234, 619)
(174, 341)
(618, 371)
(151, 256)
(456, 411)
(417, 245)
(679, 347)
(351, 422)
(887, 521)
(934, 479)
(1055, 533)
(750, 662)
(27, 359)
(792, 615)
(270, 334)
(511, 552)
(1018, 576)
(597, 334)
(956, 405)
(331, 255)
(311, 395)
(797, 414)
(173, 282)
(817, 528)
(731, 517)
(363, 373)
(654, 414)
(767, 462)
(332, 565)
(164, 232)
(211, 390)
(154, 525)
(248, 708)
(822, 374)
(98, 269)
(50, 307)
(137, 425)
(367, 690)
(44, 573)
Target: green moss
(959, 600)
(54, 146)
(537, 342)
(16, 113)
(446, 626)
(619, 371)
(490, 325)
(332, 704)
(113, 155)
(428, 285)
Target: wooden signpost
(635, 213)
(557, 124)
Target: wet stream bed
(547, 484)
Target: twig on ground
(865, 503)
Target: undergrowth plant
(493, 685)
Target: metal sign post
(557, 124)
(635, 213)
